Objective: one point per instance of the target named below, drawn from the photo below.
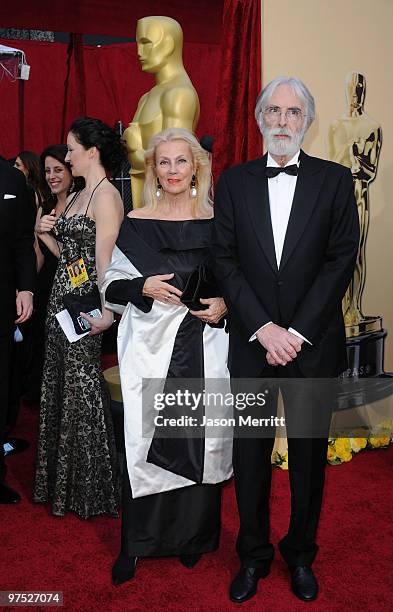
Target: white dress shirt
(281, 191)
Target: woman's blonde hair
(202, 204)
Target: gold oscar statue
(172, 102)
(355, 141)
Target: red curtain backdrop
(238, 137)
(201, 20)
(107, 82)
(104, 82)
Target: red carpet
(354, 566)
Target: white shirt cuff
(290, 329)
(254, 336)
(296, 333)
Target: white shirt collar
(272, 162)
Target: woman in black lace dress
(172, 495)
(76, 467)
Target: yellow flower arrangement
(331, 454)
(280, 460)
(379, 441)
(380, 436)
(341, 449)
(358, 441)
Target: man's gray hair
(300, 90)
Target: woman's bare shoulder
(139, 213)
(108, 198)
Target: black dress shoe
(12, 446)
(190, 560)
(123, 569)
(244, 586)
(304, 584)
(8, 495)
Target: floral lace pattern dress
(76, 455)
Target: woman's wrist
(145, 288)
(108, 315)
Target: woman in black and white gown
(172, 495)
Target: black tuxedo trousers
(304, 409)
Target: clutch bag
(200, 284)
(89, 303)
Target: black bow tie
(272, 171)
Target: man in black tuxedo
(284, 245)
(17, 279)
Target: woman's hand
(217, 309)
(46, 223)
(98, 324)
(155, 287)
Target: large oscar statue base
(366, 381)
(365, 352)
(365, 348)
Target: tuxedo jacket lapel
(308, 186)
(257, 197)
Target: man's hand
(24, 306)
(281, 346)
(217, 309)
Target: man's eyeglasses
(291, 114)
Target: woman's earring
(193, 189)
(158, 189)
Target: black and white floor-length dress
(172, 493)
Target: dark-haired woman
(76, 465)
(28, 162)
(60, 184)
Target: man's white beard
(286, 147)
